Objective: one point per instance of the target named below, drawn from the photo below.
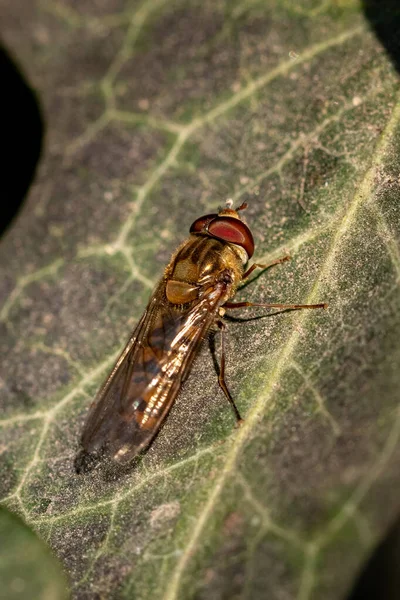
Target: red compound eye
(201, 223)
(232, 230)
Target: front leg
(278, 261)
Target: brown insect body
(196, 289)
(203, 274)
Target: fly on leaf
(191, 298)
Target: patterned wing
(141, 388)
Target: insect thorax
(199, 262)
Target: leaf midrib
(363, 193)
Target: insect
(191, 298)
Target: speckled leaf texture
(156, 113)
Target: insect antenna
(243, 206)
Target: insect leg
(221, 376)
(278, 261)
(283, 306)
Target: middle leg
(221, 376)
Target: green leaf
(156, 114)
(27, 567)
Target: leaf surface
(27, 567)
(156, 114)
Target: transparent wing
(137, 395)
